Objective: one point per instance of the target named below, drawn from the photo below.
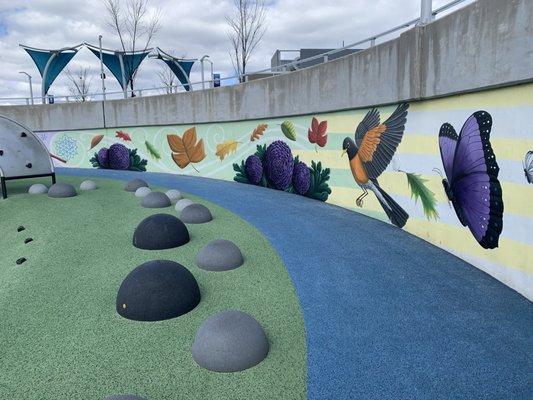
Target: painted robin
(370, 154)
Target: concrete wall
(418, 153)
(486, 44)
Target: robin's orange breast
(358, 170)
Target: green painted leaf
(420, 191)
(152, 150)
(288, 129)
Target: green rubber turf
(61, 338)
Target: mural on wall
(186, 149)
(118, 156)
(370, 154)
(238, 151)
(317, 133)
(528, 166)
(275, 167)
(471, 182)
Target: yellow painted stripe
(516, 198)
(511, 253)
(512, 96)
(512, 149)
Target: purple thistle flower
(301, 178)
(119, 156)
(253, 169)
(279, 165)
(103, 157)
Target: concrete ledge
(483, 45)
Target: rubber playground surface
(386, 315)
(61, 338)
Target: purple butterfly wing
(474, 181)
(447, 144)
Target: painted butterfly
(472, 177)
(528, 166)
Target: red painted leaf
(124, 136)
(318, 132)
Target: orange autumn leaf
(258, 132)
(95, 140)
(185, 149)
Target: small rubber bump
(20, 228)
(28, 240)
(21, 260)
(23, 134)
(28, 165)
(1, 152)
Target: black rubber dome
(160, 231)
(157, 290)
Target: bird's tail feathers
(397, 215)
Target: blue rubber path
(387, 315)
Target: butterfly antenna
(438, 171)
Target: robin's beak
(343, 152)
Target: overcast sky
(192, 28)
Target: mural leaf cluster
(186, 149)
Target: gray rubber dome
(142, 191)
(181, 204)
(135, 184)
(160, 231)
(155, 200)
(229, 341)
(88, 185)
(38, 188)
(219, 255)
(174, 195)
(157, 290)
(60, 190)
(196, 214)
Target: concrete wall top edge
(486, 44)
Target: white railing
(427, 15)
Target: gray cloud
(194, 28)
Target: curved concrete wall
(485, 49)
(483, 45)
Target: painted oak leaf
(123, 135)
(95, 140)
(226, 148)
(317, 133)
(258, 132)
(186, 150)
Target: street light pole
(202, 63)
(29, 81)
(102, 76)
(426, 13)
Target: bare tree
(80, 83)
(134, 26)
(167, 78)
(246, 30)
